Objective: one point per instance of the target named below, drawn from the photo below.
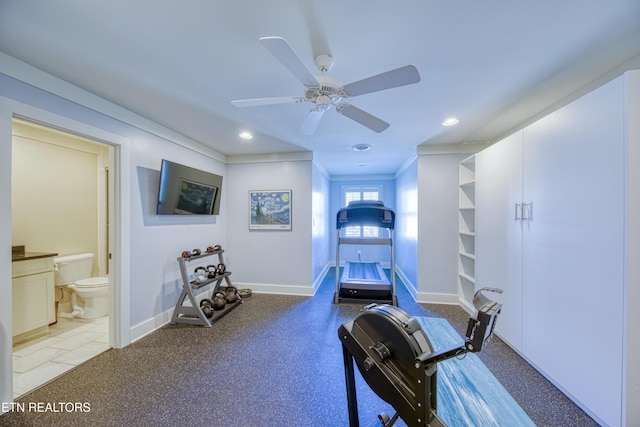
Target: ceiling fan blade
(394, 78)
(362, 117)
(257, 102)
(312, 121)
(281, 49)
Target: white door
(573, 248)
(499, 231)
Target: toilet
(89, 295)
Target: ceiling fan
(325, 91)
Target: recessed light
(245, 135)
(450, 121)
(361, 147)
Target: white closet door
(573, 248)
(499, 234)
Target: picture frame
(270, 210)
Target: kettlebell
(201, 274)
(206, 305)
(222, 268)
(218, 301)
(212, 271)
(232, 294)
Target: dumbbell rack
(193, 314)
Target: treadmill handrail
(366, 213)
(365, 241)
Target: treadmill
(365, 282)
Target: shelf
(193, 317)
(467, 255)
(202, 255)
(467, 278)
(466, 229)
(192, 313)
(219, 277)
(469, 162)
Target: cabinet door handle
(518, 208)
(529, 209)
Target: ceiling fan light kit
(325, 91)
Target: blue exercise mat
(468, 393)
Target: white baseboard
(434, 298)
(411, 288)
(427, 297)
(148, 326)
(321, 276)
(469, 308)
(264, 288)
(156, 322)
(145, 328)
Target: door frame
(119, 233)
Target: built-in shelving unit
(466, 231)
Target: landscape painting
(270, 210)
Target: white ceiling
(492, 63)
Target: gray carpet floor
(273, 361)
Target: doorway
(60, 205)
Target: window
(367, 192)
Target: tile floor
(69, 343)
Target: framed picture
(270, 210)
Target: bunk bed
(362, 282)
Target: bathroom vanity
(33, 290)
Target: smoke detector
(361, 147)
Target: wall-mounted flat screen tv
(187, 191)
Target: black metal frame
(365, 213)
(415, 403)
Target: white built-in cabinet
(466, 232)
(551, 212)
(33, 297)
(500, 232)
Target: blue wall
(320, 222)
(406, 235)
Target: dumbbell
(219, 301)
(189, 254)
(206, 305)
(211, 249)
